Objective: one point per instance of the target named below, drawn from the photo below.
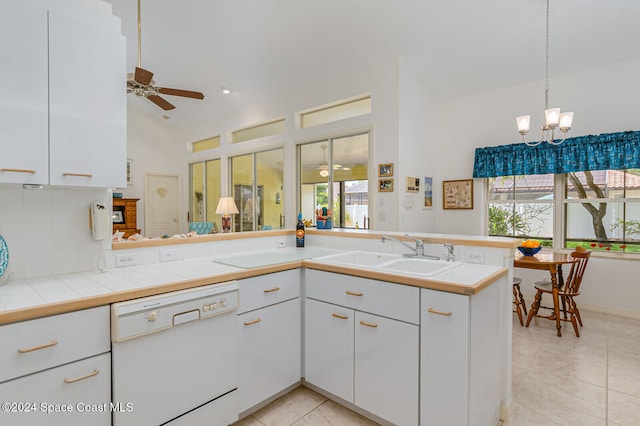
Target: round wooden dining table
(548, 261)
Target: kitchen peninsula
(464, 313)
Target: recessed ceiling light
(226, 91)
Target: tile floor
(591, 380)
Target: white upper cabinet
(63, 95)
(87, 89)
(24, 132)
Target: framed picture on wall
(129, 171)
(385, 185)
(457, 194)
(428, 193)
(385, 170)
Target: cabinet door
(269, 352)
(82, 387)
(329, 348)
(444, 359)
(24, 137)
(386, 368)
(87, 105)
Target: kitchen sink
(358, 258)
(417, 266)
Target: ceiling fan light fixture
(324, 173)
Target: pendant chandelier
(554, 119)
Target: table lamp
(226, 206)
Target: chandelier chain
(546, 85)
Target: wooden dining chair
(566, 293)
(518, 300)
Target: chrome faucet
(418, 251)
(450, 256)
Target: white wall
(417, 118)
(153, 146)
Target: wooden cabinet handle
(339, 316)
(271, 290)
(37, 348)
(255, 321)
(33, 172)
(433, 311)
(87, 175)
(77, 379)
(351, 293)
(368, 324)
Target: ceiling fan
(324, 166)
(141, 83)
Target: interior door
(161, 209)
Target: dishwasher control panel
(138, 317)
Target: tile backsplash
(47, 231)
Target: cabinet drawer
(84, 387)
(387, 299)
(265, 290)
(35, 345)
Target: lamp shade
(566, 120)
(523, 124)
(226, 205)
(552, 116)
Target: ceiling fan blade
(179, 92)
(162, 103)
(142, 76)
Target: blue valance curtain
(594, 152)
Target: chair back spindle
(572, 284)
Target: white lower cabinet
(57, 370)
(73, 394)
(369, 360)
(329, 347)
(444, 359)
(386, 368)
(269, 338)
(461, 359)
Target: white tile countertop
(38, 297)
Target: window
(205, 144)
(258, 190)
(204, 191)
(334, 176)
(336, 111)
(521, 206)
(602, 210)
(259, 131)
(596, 182)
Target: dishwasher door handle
(186, 317)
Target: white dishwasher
(174, 358)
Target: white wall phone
(100, 221)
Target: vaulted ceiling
(260, 48)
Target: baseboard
(506, 411)
(608, 310)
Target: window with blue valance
(606, 151)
